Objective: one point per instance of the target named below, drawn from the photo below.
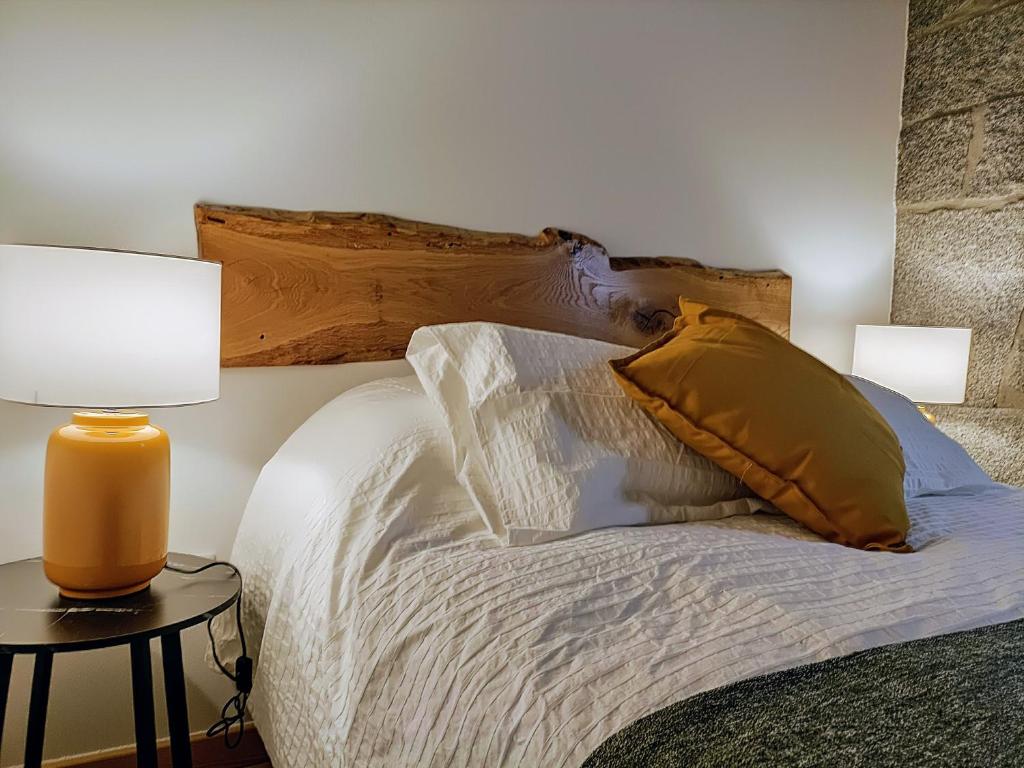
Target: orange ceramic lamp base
(105, 505)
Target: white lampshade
(104, 329)
(926, 365)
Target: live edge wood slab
(306, 288)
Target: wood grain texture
(305, 288)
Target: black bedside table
(35, 619)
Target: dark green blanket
(953, 700)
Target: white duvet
(392, 630)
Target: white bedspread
(392, 631)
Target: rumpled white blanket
(391, 630)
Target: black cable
(243, 665)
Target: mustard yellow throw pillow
(791, 428)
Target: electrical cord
(233, 710)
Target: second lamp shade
(926, 365)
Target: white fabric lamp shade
(926, 365)
(107, 329)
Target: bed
(391, 625)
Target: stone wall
(960, 210)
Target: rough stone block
(994, 437)
(924, 13)
(965, 64)
(933, 157)
(964, 268)
(1001, 167)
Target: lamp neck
(109, 418)
(926, 413)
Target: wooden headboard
(303, 288)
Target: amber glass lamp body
(106, 504)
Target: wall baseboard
(206, 753)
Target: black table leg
(6, 659)
(177, 704)
(37, 709)
(142, 700)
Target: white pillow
(548, 445)
(936, 463)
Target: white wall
(753, 134)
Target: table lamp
(103, 331)
(925, 365)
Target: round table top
(34, 617)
